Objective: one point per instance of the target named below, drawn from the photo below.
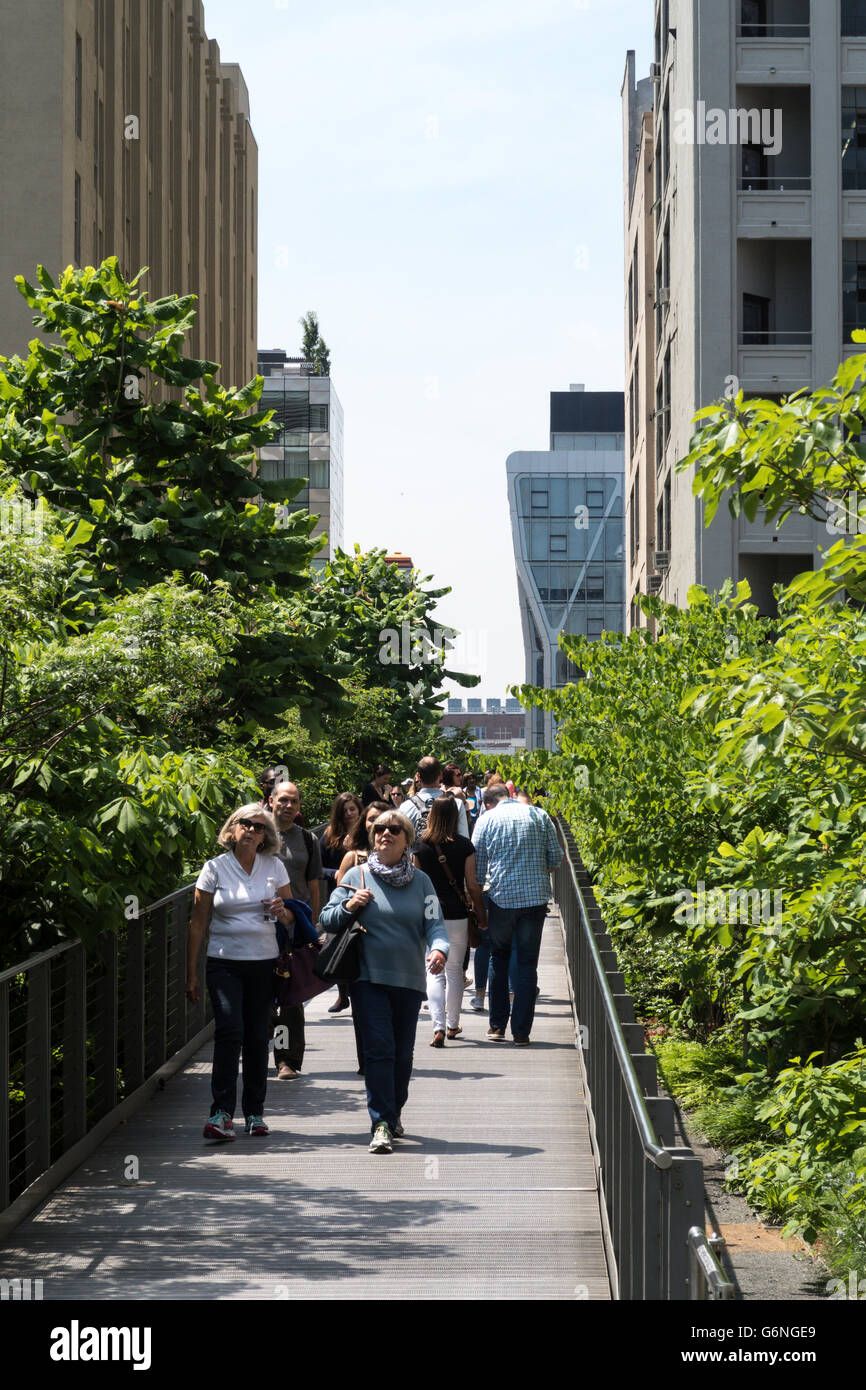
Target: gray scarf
(398, 875)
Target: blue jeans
(242, 993)
(522, 927)
(387, 1018)
(482, 965)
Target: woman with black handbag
(449, 861)
(398, 908)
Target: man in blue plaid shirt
(516, 846)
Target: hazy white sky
(443, 185)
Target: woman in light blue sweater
(404, 932)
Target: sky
(442, 184)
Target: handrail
(33, 961)
(653, 1150)
(705, 1268)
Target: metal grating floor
(492, 1193)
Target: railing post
(4, 1096)
(686, 1209)
(133, 1011)
(156, 1001)
(104, 1026)
(74, 1046)
(37, 1072)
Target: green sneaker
(381, 1141)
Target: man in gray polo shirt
(299, 851)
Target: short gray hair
(271, 843)
(498, 792)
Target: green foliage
(161, 630)
(314, 348)
(814, 1166)
(727, 751)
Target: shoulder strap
(418, 802)
(308, 838)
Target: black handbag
(340, 958)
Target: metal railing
(780, 29)
(776, 337)
(80, 1031)
(775, 183)
(651, 1189)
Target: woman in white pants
(448, 859)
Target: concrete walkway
(492, 1193)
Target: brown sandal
(438, 1039)
(452, 1032)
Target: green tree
(313, 347)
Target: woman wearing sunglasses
(397, 905)
(240, 893)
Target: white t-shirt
(238, 930)
(430, 794)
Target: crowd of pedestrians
(428, 868)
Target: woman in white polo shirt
(244, 889)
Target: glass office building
(310, 442)
(566, 507)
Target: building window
(756, 320)
(79, 84)
(77, 219)
(319, 418)
(854, 136)
(540, 500)
(595, 499)
(559, 543)
(853, 18)
(853, 286)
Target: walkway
(492, 1192)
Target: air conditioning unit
(654, 584)
(664, 295)
(661, 560)
(656, 72)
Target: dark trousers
(387, 1019)
(521, 927)
(241, 992)
(291, 1017)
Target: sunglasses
(251, 824)
(392, 829)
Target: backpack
(422, 806)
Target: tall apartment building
(310, 442)
(640, 474)
(566, 507)
(123, 133)
(760, 245)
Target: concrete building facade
(123, 133)
(639, 279)
(310, 442)
(566, 507)
(760, 240)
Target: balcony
(774, 187)
(853, 57)
(773, 41)
(774, 348)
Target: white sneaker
(477, 1003)
(381, 1141)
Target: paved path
(492, 1192)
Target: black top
(370, 794)
(456, 852)
(331, 859)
